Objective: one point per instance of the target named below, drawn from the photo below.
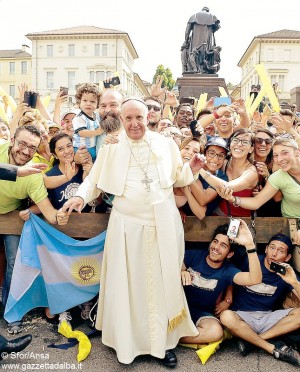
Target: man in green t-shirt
(18, 153)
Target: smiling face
(4, 131)
(286, 157)
(110, 102)
(24, 146)
(134, 118)
(276, 251)
(187, 152)
(262, 144)
(219, 250)
(241, 146)
(64, 150)
(215, 157)
(154, 109)
(224, 124)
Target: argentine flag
(53, 270)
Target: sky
(156, 28)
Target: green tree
(168, 80)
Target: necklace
(146, 179)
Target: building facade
(72, 56)
(279, 51)
(15, 68)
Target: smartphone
(233, 228)
(113, 81)
(189, 100)
(218, 101)
(30, 98)
(194, 131)
(64, 90)
(278, 268)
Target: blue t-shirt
(211, 206)
(61, 194)
(264, 296)
(207, 283)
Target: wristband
(215, 114)
(253, 250)
(237, 202)
(228, 300)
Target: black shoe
(17, 344)
(245, 347)
(170, 359)
(286, 353)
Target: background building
(279, 51)
(15, 68)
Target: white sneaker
(86, 309)
(65, 316)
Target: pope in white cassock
(142, 308)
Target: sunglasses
(260, 141)
(155, 108)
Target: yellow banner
(257, 101)
(201, 102)
(262, 73)
(46, 100)
(222, 92)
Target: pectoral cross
(147, 182)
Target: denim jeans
(11, 243)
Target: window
(97, 50)
(104, 50)
(12, 68)
(281, 82)
(50, 80)
(12, 90)
(71, 79)
(71, 50)
(49, 50)
(92, 76)
(100, 76)
(24, 67)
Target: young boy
(86, 123)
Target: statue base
(192, 85)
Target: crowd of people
(145, 163)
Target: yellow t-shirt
(12, 193)
(37, 158)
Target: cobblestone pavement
(38, 356)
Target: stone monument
(200, 57)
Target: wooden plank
(87, 225)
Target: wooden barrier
(88, 225)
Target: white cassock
(142, 307)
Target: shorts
(261, 321)
(197, 316)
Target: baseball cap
(52, 124)
(70, 111)
(217, 141)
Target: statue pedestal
(192, 85)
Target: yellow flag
(222, 92)
(257, 101)
(85, 345)
(249, 101)
(2, 92)
(201, 102)
(262, 73)
(3, 113)
(205, 352)
(46, 100)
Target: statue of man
(199, 37)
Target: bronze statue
(199, 53)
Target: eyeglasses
(260, 140)
(155, 108)
(212, 154)
(23, 145)
(236, 141)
